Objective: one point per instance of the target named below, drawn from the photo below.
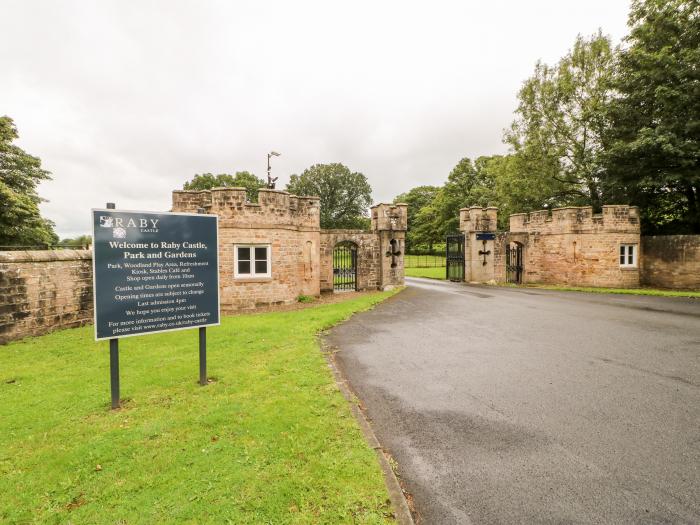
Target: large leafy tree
(242, 179)
(417, 199)
(654, 141)
(21, 222)
(345, 195)
(561, 119)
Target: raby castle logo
(119, 226)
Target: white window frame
(252, 274)
(625, 252)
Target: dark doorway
(345, 266)
(514, 263)
(454, 257)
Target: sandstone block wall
(289, 224)
(368, 263)
(42, 291)
(671, 261)
(574, 246)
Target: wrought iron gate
(454, 257)
(514, 263)
(345, 266)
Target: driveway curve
(505, 405)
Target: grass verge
(270, 440)
(624, 291)
(431, 273)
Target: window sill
(252, 279)
(629, 268)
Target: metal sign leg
(203, 355)
(114, 371)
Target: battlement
(389, 216)
(578, 219)
(274, 207)
(478, 219)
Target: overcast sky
(124, 101)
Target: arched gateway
(345, 266)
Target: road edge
(399, 503)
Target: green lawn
(432, 273)
(625, 291)
(270, 440)
(423, 261)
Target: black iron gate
(514, 263)
(454, 257)
(345, 266)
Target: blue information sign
(154, 272)
(482, 236)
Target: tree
(654, 141)
(417, 198)
(242, 179)
(561, 119)
(345, 195)
(79, 241)
(21, 222)
(468, 184)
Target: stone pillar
(390, 222)
(479, 228)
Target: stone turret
(478, 219)
(577, 219)
(274, 207)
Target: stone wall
(289, 224)
(671, 261)
(376, 268)
(574, 246)
(42, 291)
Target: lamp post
(270, 180)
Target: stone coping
(20, 256)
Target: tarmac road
(506, 405)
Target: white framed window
(251, 260)
(628, 255)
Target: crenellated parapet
(390, 217)
(274, 208)
(577, 219)
(478, 219)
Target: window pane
(261, 253)
(630, 255)
(244, 253)
(622, 250)
(622, 259)
(243, 267)
(261, 267)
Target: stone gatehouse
(270, 253)
(571, 246)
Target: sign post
(153, 272)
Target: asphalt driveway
(506, 405)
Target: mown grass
(424, 261)
(270, 440)
(431, 273)
(624, 291)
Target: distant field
(431, 273)
(424, 261)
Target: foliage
(306, 298)
(81, 240)
(654, 138)
(561, 120)
(345, 195)
(270, 440)
(21, 222)
(242, 179)
(417, 198)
